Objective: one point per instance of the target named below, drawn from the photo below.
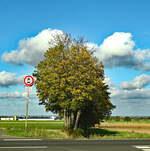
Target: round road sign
(28, 80)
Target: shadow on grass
(99, 132)
(79, 133)
(90, 132)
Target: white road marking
(25, 147)
(22, 139)
(146, 149)
(143, 147)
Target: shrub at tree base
(75, 133)
(70, 82)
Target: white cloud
(117, 50)
(137, 83)
(31, 50)
(130, 90)
(137, 94)
(91, 46)
(8, 79)
(15, 95)
(109, 82)
(11, 95)
(118, 44)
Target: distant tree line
(127, 118)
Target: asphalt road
(24, 144)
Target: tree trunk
(65, 118)
(68, 120)
(72, 121)
(77, 120)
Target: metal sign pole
(28, 81)
(27, 108)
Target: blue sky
(118, 30)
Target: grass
(39, 129)
(34, 132)
(92, 134)
(54, 129)
(99, 133)
(39, 125)
(126, 135)
(109, 134)
(31, 121)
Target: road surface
(26, 144)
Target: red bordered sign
(28, 80)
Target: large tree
(70, 82)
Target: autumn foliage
(70, 82)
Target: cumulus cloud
(109, 82)
(15, 95)
(118, 44)
(117, 50)
(7, 79)
(137, 83)
(91, 46)
(137, 94)
(8, 95)
(133, 90)
(31, 50)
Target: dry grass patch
(144, 131)
(35, 132)
(125, 125)
(143, 128)
(60, 132)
